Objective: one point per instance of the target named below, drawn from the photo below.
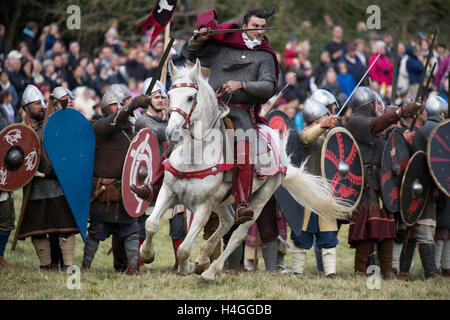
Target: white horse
(197, 116)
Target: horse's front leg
(226, 220)
(201, 216)
(259, 200)
(165, 199)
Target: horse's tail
(312, 191)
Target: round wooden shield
(342, 165)
(140, 166)
(416, 183)
(393, 163)
(438, 156)
(279, 121)
(20, 152)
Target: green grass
(156, 281)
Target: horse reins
(186, 116)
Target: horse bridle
(186, 116)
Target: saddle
(266, 163)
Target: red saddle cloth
(265, 144)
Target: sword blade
(289, 82)
(214, 31)
(280, 94)
(240, 29)
(357, 86)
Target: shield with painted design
(342, 165)
(291, 210)
(438, 156)
(414, 190)
(19, 156)
(279, 121)
(393, 163)
(140, 166)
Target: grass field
(156, 281)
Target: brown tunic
(111, 148)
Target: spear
(422, 77)
(394, 75)
(160, 67)
(422, 96)
(280, 94)
(421, 91)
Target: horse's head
(183, 96)
(192, 101)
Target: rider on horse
(247, 59)
(244, 68)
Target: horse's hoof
(202, 281)
(148, 261)
(200, 268)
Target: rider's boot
(149, 192)
(244, 213)
(145, 192)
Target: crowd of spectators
(44, 59)
(343, 61)
(47, 61)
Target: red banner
(160, 16)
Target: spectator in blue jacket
(345, 79)
(51, 38)
(414, 66)
(354, 65)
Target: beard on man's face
(38, 115)
(109, 109)
(158, 109)
(41, 114)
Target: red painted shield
(342, 165)
(278, 120)
(141, 164)
(19, 156)
(393, 163)
(438, 156)
(416, 183)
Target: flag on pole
(160, 16)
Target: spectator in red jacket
(382, 71)
(290, 50)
